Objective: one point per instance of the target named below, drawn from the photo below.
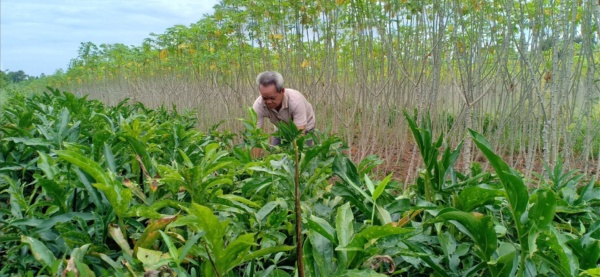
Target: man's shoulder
(258, 105)
(294, 94)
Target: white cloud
(39, 36)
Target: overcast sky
(42, 36)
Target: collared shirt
(294, 107)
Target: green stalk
(300, 257)
(427, 188)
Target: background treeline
(524, 73)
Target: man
(281, 104)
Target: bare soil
(403, 172)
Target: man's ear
(282, 90)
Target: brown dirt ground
(401, 169)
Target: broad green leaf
(43, 225)
(75, 238)
(235, 251)
(368, 236)
(266, 210)
(170, 246)
(140, 149)
(268, 171)
(383, 215)
(516, 191)
(476, 196)
(143, 211)
(30, 141)
(152, 259)
(117, 266)
(84, 269)
(110, 158)
(55, 191)
(506, 265)
(92, 192)
(40, 252)
(267, 251)
(118, 196)
(322, 227)
(448, 245)
(188, 246)
(369, 184)
(322, 254)
(542, 212)
(9, 238)
(345, 169)
(86, 164)
(77, 256)
(478, 227)
(381, 186)
(151, 233)
(592, 272)
(47, 165)
(203, 219)
(240, 199)
(353, 196)
(117, 235)
(344, 230)
(427, 259)
(186, 160)
(344, 224)
(565, 259)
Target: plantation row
(88, 189)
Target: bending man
(278, 103)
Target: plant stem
(300, 261)
(211, 261)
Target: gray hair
(268, 78)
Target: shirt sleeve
(258, 108)
(298, 112)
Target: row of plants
(88, 189)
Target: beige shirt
(294, 107)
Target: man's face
(270, 96)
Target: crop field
(453, 138)
(124, 190)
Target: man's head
(270, 85)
